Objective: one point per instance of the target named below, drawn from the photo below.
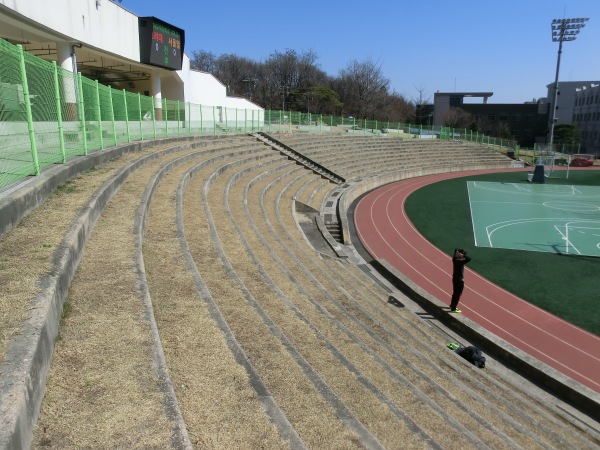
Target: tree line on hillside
(290, 80)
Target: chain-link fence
(49, 115)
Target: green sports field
(539, 217)
(562, 282)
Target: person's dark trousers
(457, 288)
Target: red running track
(387, 233)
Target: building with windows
(586, 115)
(445, 102)
(527, 123)
(565, 99)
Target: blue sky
(503, 47)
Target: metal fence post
(61, 137)
(34, 155)
(126, 116)
(140, 115)
(214, 121)
(178, 120)
(153, 118)
(112, 114)
(166, 110)
(99, 115)
(82, 113)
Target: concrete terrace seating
(201, 316)
(353, 156)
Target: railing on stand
(49, 115)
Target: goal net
(556, 164)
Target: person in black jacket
(459, 260)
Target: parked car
(581, 162)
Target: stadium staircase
(213, 308)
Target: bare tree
(292, 80)
(284, 68)
(423, 110)
(395, 109)
(235, 71)
(492, 127)
(458, 118)
(204, 61)
(362, 88)
(287, 75)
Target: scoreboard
(161, 44)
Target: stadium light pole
(562, 30)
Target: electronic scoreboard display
(161, 44)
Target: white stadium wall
(107, 28)
(204, 89)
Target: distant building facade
(526, 122)
(565, 99)
(586, 115)
(444, 102)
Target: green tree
(567, 134)
(316, 99)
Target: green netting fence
(49, 115)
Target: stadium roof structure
(467, 94)
(484, 95)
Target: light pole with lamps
(562, 30)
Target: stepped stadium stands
(186, 293)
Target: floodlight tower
(562, 30)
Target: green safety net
(49, 115)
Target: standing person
(459, 260)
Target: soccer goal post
(556, 164)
